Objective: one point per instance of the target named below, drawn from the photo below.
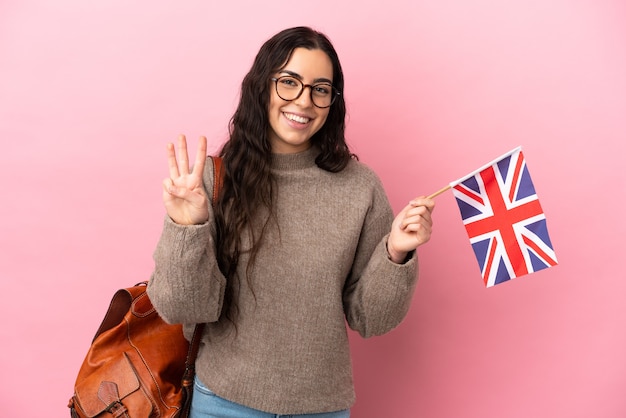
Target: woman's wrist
(395, 256)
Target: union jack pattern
(504, 220)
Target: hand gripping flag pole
(503, 219)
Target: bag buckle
(117, 409)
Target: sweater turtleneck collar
(297, 161)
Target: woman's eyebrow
(299, 77)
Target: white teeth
(296, 118)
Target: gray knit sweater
(325, 263)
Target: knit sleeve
(186, 285)
(378, 293)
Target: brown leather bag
(138, 366)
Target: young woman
(302, 239)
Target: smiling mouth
(296, 118)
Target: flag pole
(440, 191)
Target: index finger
(172, 163)
(427, 202)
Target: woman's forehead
(309, 64)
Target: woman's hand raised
(411, 228)
(183, 193)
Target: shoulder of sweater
(360, 170)
(358, 179)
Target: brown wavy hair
(248, 184)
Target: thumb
(168, 187)
(171, 190)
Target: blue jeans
(205, 404)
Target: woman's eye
(289, 82)
(322, 89)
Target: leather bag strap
(217, 177)
(194, 345)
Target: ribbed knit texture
(325, 263)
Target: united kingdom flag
(504, 220)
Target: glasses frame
(334, 90)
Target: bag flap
(118, 374)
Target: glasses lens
(288, 88)
(322, 95)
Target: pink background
(90, 92)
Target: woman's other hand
(183, 193)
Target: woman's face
(293, 123)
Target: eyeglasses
(290, 88)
